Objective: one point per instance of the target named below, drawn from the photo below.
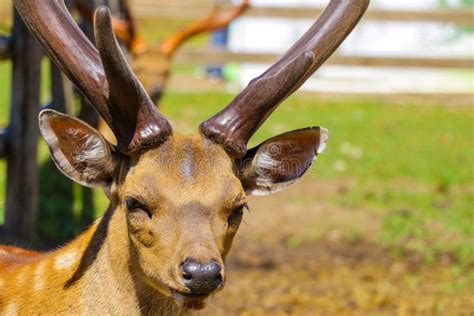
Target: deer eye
(133, 205)
(236, 214)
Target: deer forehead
(185, 169)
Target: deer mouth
(189, 301)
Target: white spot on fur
(39, 276)
(11, 310)
(3, 252)
(65, 260)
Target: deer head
(178, 200)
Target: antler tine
(149, 128)
(213, 21)
(235, 124)
(105, 80)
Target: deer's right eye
(133, 205)
(236, 215)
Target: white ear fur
(77, 149)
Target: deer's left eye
(236, 214)
(133, 205)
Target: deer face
(183, 201)
(153, 67)
(183, 204)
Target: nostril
(187, 276)
(190, 270)
(218, 280)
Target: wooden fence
(185, 9)
(19, 139)
(214, 56)
(147, 9)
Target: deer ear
(78, 150)
(280, 161)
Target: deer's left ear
(280, 161)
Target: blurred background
(383, 224)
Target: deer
(152, 64)
(176, 201)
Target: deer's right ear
(78, 150)
(280, 161)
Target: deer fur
(96, 273)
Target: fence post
(5, 47)
(22, 134)
(62, 94)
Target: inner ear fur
(278, 162)
(78, 150)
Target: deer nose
(201, 278)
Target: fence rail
(152, 9)
(194, 9)
(215, 56)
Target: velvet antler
(235, 125)
(105, 79)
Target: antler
(105, 79)
(212, 22)
(235, 125)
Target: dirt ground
(293, 256)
